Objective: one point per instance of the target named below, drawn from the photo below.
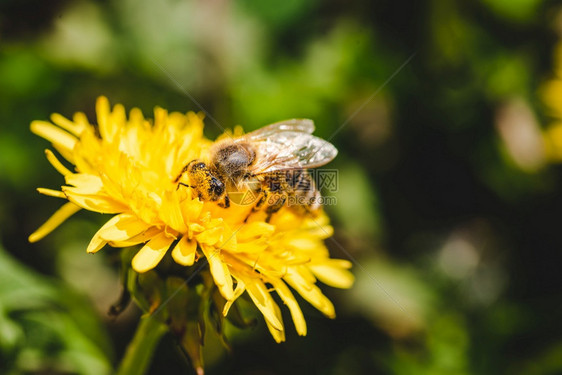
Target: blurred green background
(448, 201)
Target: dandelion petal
(254, 230)
(278, 335)
(171, 211)
(61, 140)
(96, 243)
(184, 251)
(138, 239)
(56, 163)
(289, 300)
(85, 183)
(51, 193)
(220, 272)
(240, 288)
(148, 257)
(63, 213)
(94, 202)
(334, 273)
(265, 303)
(66, 124)
(122, 227)
(310, 292)
(210, 236)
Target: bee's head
(208, 187)
(216, 188)
(231, 160)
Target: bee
(268, 165)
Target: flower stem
(140, 350)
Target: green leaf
(44, 326)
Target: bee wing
(290, 150)
(300, 125)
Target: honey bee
(269, 165)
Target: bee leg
(185, 168)
(225, 203)
(260, 201)
(276, 206)
(258, 204)
(183, 184)
(190, 186)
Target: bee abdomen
(303, 189)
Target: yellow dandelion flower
(126, 166)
